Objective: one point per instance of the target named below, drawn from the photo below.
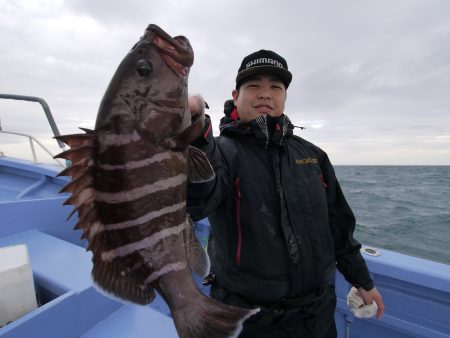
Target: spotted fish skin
(129, 185)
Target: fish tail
(208, 318)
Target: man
(279, 221)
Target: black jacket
(279, 220)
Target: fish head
(149, 91)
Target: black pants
(284, 323)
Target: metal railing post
(44, 105)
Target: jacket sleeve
(349, 259)
(203, 198)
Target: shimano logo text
(263, 61)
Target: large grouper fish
(129, 183)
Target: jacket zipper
(238, 221)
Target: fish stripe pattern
(142, 244)
(130, 211)
(168, 268)
(139, 164)
(119, 139)
(146, 218)
(134, 194)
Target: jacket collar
(265, 129)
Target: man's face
(260, 95)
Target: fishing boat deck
(70, 306)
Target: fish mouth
(176, 51)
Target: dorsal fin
(78, 183)
(76, 154)
(77, 170)
(81, 155)
(76, 140)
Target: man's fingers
(196, 105)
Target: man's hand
(197, 108)
(370, 296)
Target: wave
(401, 208)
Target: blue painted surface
(56, 319)
(30, 199)
(416, 294)
(32, 214)
(134, 321)
(416, 291)
(32, 181)
(62, 266)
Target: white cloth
(357, 306)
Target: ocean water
(401, 208)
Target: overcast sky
(371, 79)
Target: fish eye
(143, 67)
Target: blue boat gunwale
(24, 180)
(29, 168)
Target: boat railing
(32, 139)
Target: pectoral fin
(199, 168)
(191, 133)
(197, 257)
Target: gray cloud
(370, 78)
